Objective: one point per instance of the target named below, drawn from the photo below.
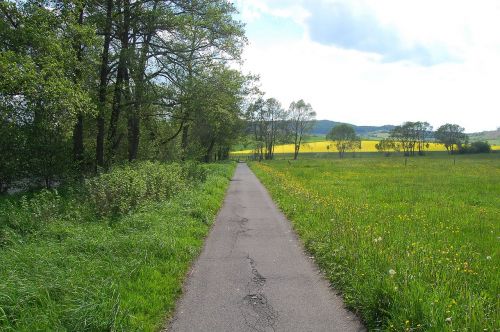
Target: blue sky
(374, 62)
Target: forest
(88, 84)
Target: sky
(376, 62)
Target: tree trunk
(133, 137)
(78, 148)
(134, 117)
(184, 141)
(121, 84)
(208, 155)
(103, 85)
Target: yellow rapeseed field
(317, 147)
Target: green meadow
(411, 247)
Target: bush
(112, 194)
(195, 171)
(125, 188)
(29, 214)
(476, 147)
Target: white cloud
(356, 87)
(252, 10)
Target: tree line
(86, 84)
(414, 137)
(410, 138)
(269, 124)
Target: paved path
(253, 274)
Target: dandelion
(392, 272)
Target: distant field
(319, 147)
(413, 248)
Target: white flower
(448, 320)
(488, 257)
(392, 272)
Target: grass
(412, 248)
(93, 274)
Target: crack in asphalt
(255, 308)
(240, 232)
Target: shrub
(125, 188)
(476, 147)
(195, 171)
(28, 214)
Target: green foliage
(124, 188)
(40, 97)
(219, 92)
(301, 117)
(476, 147)
(412, 136)
(451, 135)
(11, 159)
(412, 248)
(28, 214)
(76, 274)
(345, 138)
(386, 145)
(194, 171)
(64, 63)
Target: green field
(64, 268)
(412, 248)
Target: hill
(322, 127)
(492, 136)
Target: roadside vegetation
(412, 248)
(111, 255)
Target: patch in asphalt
(255, 308)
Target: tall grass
(412, 248)
(77, 270)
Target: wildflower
(392, 272)
(448, 320)
(488, 257)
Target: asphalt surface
(253, 274)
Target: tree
(301, 118)
(423, 131)
(407, 136)
(207, 36)
(386, 145)
(276, 118)
(132, 79)
(11, 143)
(345, 138)
(221, 92)
(267, 121)
(451, 136)
(41, 95)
